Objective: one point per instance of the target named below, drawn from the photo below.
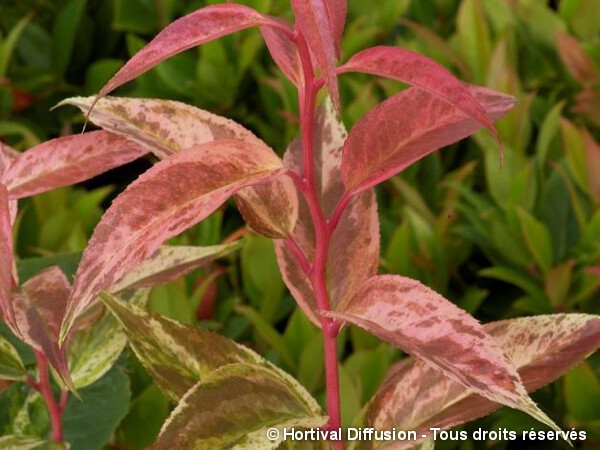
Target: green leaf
(575, 154)
(30, 267)
(90, 423)
(138, 16)
(582, 393)
(234, 407)
(11, 366)
(177, 356)
(7, 45)
(537, 239)
(14, 442)
(474, 37)
(65, 32)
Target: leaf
(537, 239)
(6, 259)
(177, 356)
(90, 422)
(64, 34)
(234, 407)
(68, 160)
(39, 309)
(592, 150)
(412, 68)
(194, 29)
(169, 198)
(354, 249)
(11, 366)
(542, 348)
(7, 156)
(416, 319)
(284, 52)
(166, 127)
(314, 21)
(370, 158)
(578, 63)
(337, 11)
(14, 442)
(171, 263)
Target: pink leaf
(577, 61)
(312, 18)
(6, 259)
(409, 126)
(39, 311)
(68, 160)
(354, 249)
(201, 26)
(166, 127)
(337, 10)
(411, 316)
(284, 52)
(542, 348)
(415, 69)
(172, 196)
(7, 156)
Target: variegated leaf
(95, 349)
(11, 366)
(284, 52)
(424, 73)
(354, 249)
(542, 348)
(313, 20)
(6, 259)
(177, 356)
(234, 407)
(167, 127)
(39, 310)
(169, 198)
(402, 139)
(170, 263)
(413, 317)
(7, 156)
(194, 29)
(68, 160)
(14, 442)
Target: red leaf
(68, 160)
(7, 156)
(337, 10)
(284, 52)
(354, 249)
(577, 61)
(415, 69)
(411, 316)
(542, 348)
(172, 196)
(312, 17)
(6, 259)
(407, 127)
(201, 26)
(39, 311)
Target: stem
(45, 389)
(307, 97)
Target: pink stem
(45, 390)
(307, 97)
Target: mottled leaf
(234, 407)
(170, 263)
(7, 156)
(542, 348)
(424, 73)
(313, 20)
(194, 29)
(6, 259)
(68, 160)
(413, 317)
(402, 139)
(39, 308)
(577, 61)
(169, 198)
(14, 442)
(11, 366)
(177, 356)
(166, 127)
(284, 52)
(354, 248)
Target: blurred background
(520, 240)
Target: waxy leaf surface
(67, 160)
(424, 73)
(177, 356)
(171, 263)
(39, 310)
(169, 198)
(11, 366)
(410, 125)
(6, 258)
(234, 407)
(167, 127)
(313, 19)
(413, 317)
(194, 29)
(542, 348)
(354, 248)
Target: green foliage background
(524, 239)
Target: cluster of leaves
(524, 244)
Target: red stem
(45, 390)
(323, 231)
